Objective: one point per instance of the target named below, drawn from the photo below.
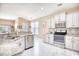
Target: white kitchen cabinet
(72, 20)
(51, 38)
(76, 43)
(12, 47)
(60, 17)
(52, 22)
(49, 23)
(72, 42)
(75, 20)
(21, 43)
(60, 20)
(56, 17)
(46, 39)
(68, 42)
(69, 20)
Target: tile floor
(43, 49)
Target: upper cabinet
(51, 22)
(57, 21)
(60, 20)
(72, 20)
(62, 17)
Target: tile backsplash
(73, 31)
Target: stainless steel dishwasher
(29, 41)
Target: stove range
(59, 36)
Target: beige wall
(43, 27)
(7, 22)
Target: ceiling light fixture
(42, 8)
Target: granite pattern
(10, 47)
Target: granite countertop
(10, 40)
(73, 35)
(29, 34)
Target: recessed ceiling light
(42, 8)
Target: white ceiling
(27, 10)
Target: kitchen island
(14, 45)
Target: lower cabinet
(68, 42)
(46, 39)
(9, 48)
(49, 39)
(72, 42)
(19, 46)
(76, 44)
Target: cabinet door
(69, 20)
(45, 38)
(76, 44)
(56, 18)
(52, 22)
(72, 20)
(75, 20)
(49, 23)
(62, 17)
(68, 42)
(51, 38)
(22, 43)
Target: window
(5, 28)
(26, 27)
(34, 26)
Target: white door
(68, 42)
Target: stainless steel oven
(59, 36)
